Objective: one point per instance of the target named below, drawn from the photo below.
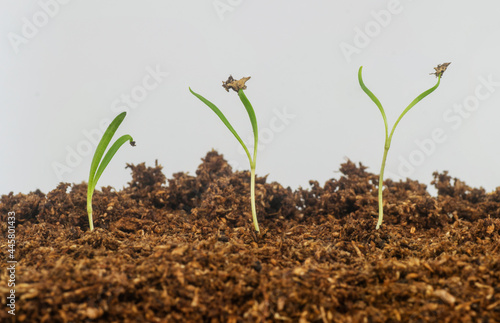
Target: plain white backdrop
(68, 66)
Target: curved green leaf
(253, 120)
(373, 98)
(103, 144)
(417, 99)
(109, 155)
(223, 118)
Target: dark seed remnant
(236, 85)
(440, 69)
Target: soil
(183, 250)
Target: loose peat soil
(183, 250)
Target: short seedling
(439, 70)
(98, 161)
(238, 86)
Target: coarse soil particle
(182, 250)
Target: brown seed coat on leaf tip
(236, 85)
(440, 69)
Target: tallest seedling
(238, 86)
(440, 69)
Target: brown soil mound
(183, 250)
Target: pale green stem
(252, 183)
(89, 210)
(252, 198)
(253, 163)
(380, 188)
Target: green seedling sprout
(439, 70)
(239, 86)
(99, 164)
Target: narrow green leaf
(101, 147)
(415, 101)
(223, 118)
(253, 120)
(109, 155)
(373, 98)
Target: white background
(62, 77)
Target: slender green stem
(89, 208)
(380, 188)
(252, 179)
(252, 198)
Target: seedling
(99, 164)
(238, 86)
(439, 70)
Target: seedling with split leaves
(238, 86)
(439, 70)
(99, 164)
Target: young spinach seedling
(439, 70)
(238, 86)
(98, 161)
